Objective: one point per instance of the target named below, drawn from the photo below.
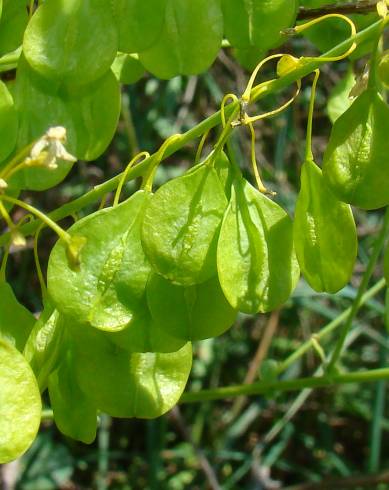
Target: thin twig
(177, 418)
(342, 483)
(361, 7)
(256, 362)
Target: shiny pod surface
(194, 312)
(43, 346)
(139, 23)
(355, 163)
(144, 334)
(257, 23)
(256, 261)
(20, 404)
(325, 236)
(74, 415)
(8, 123)
(16, 322)
(128, 385)
(189, 41)
(113, 272)
(181, 226)
(62, 37)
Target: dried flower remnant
(48, 149)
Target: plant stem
(258, 92)
(264, 387)
(41, 216)
(308, 143)
(378, 413)
(103, 452)
(329, 328)
(379, 243)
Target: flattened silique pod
(8, 123)
(108, 288)
(20, 404)
(139, 23)
(181, 226)
(355, 164)
(72, 42)
(128, 385)
(189, 312)
(16, 322)
(74, 415)
(190, 39)
(144, 334)
(127, 69)
(256, 262)
(13, 22)
(325, 236)
(44, 345)
(258, 23)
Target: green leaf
(12, 25)
(257, 23)
(354, 163)
(144, 334)
(108, 288)
(20, 404)
(190, 39)
(128, 385)
(139, 23)
(325, 236)
(8, 122)
(62, 37)
(255, 256)
(74, 415)
(127, 69)
(339, 100)
(181, 226)
(90, 118)
(191, 313)
(44, 345)
(16, 322)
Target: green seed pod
(109, 286)
(257, 23)
(355, 161)
(124, 384)
(191, 313)
(58, 42)
(325, 235)
(16, 322)
(181, 226)
(74, 414)
(20, 404)
(189, 41)
(256, 262)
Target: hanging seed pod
(355, 161)
(324, 231)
